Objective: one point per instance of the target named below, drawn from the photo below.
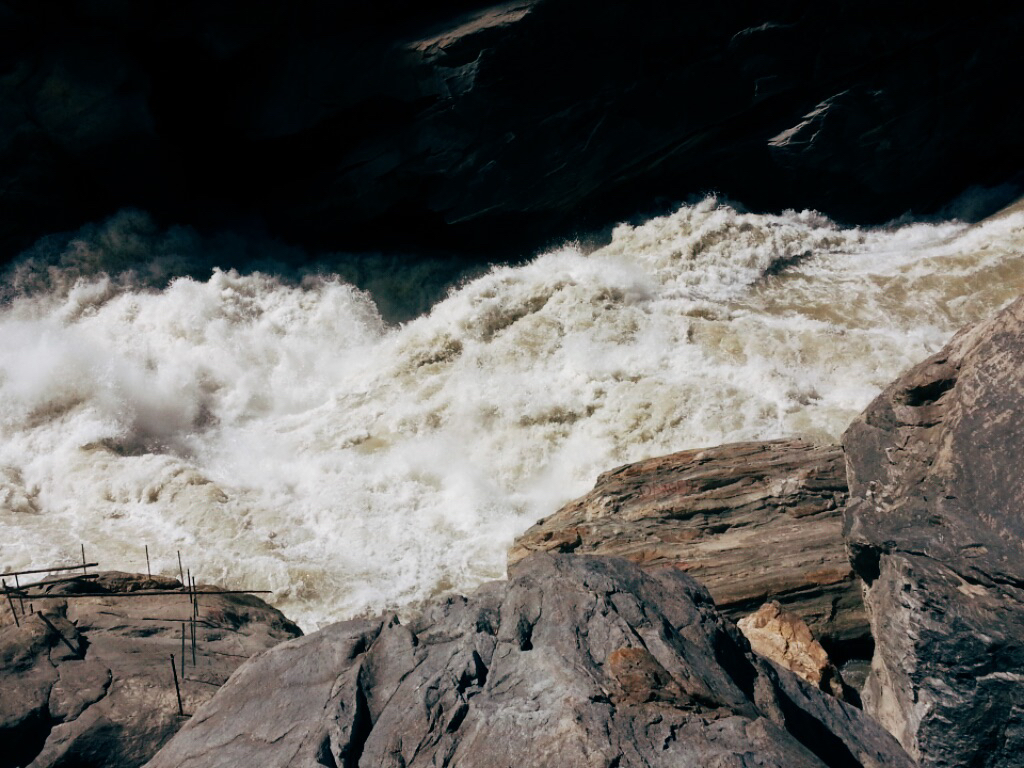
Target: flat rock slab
(89, 683)
(575, 661)
(936, 528)
(753, 522)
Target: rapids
(282, 435)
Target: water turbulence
(282, 435)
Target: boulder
(482, 125)
(751, 521)
(87, 681)
(784, 638)
(935, 526)
(575, 661)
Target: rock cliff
(935, 526)
(574, 661)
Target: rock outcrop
(574, 661)
(475, 124)
(751, 521)
(935, 525)
(784, 638)
(88, 684)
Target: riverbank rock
(751, 521)
(480, 125)
(935, 525)
(89, 684)
(575, 661)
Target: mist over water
(282, 433)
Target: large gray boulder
(89, 684)
(935, 525)
(752, 522)
(575, 661)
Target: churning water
(282, 435)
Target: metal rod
(48, 570)
(47, 582)
(181, 571)
(177, 690)
(182, 648)
(10, 601)
(77, 652)
(149, 571)
(177, 620)
(21, 600)
(83, 560)
(148, 593)
(195, 598)
(193, 642)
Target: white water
(282, 436)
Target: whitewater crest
(281, 434)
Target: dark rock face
(935, 524)
(467, 123)
(751, 521)
(104, 695)
(574, 661)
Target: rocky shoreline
(602, 647)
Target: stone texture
(750, 521)
(575, 661)
(112, 701)
(935, 526)
(479, 124)
(783, 637)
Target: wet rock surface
(89, 684)
(751, 521)
(471, 124)
(573, 661)
(935, 525)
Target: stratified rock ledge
(751, 521)
(91, 686)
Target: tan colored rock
(783, 637)
(751, 521)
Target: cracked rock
(93, 687)
(935, 524)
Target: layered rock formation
(574, 661)
(750, 521)
(935, 525)
(475, 124)
(89, 683)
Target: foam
(282, 435)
